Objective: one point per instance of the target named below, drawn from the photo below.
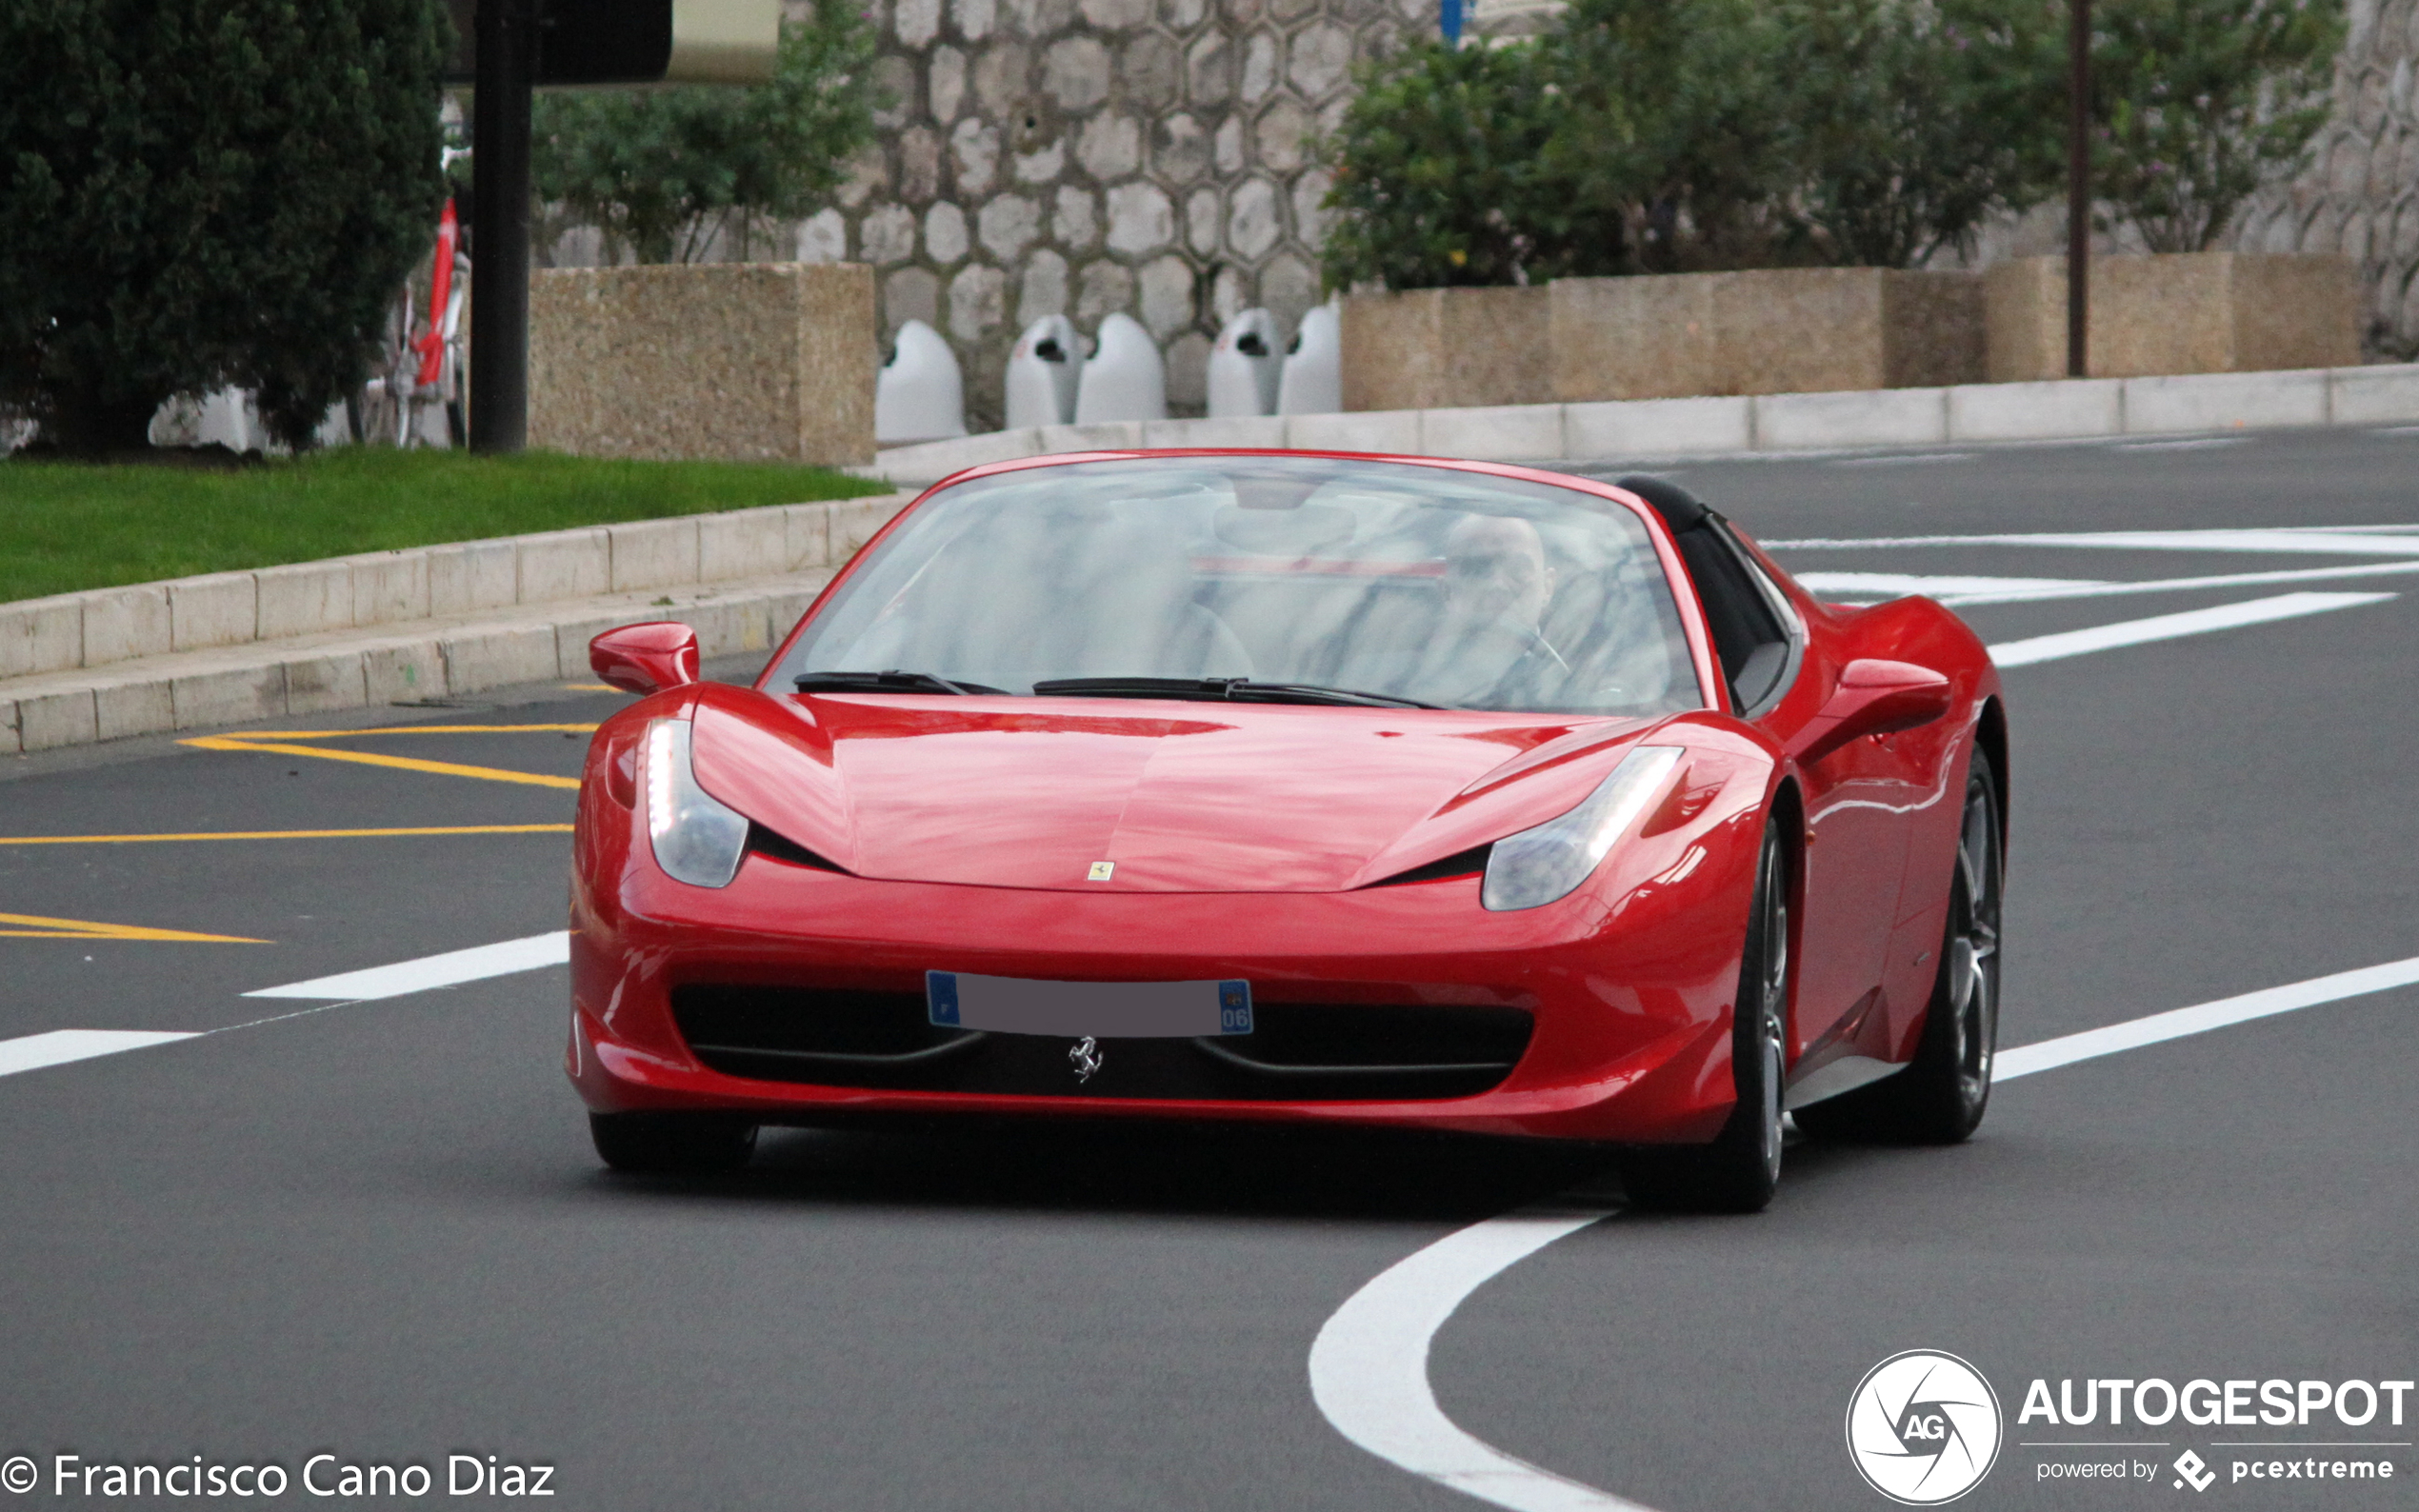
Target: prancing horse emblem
(1085, 1057)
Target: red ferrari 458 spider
(1256, 786)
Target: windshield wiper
(890, 682)
(1237, 689)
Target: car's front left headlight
(698, 838)
(1540, 865)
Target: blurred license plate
(1108, 1010)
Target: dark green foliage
(1672, 135)
(2203, 101)
(1441, 177)
(1911, 122)
(658, 170)
(201, 192)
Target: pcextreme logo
(1922, 1427)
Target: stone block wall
(1077, 157)
(2360, 194)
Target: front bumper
(1626, 984)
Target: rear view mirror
(645, 658)
(1873, 698)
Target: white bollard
(1043, 372)
(1313, 379)
(920, 395)
(1244, 367)
(1125, 379)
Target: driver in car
(1488, 648)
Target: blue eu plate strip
(940, 994)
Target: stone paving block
(389, 586)
(137, 705)
(1658, 428)
(854, 521)
(1101, 435)
(402, 671)
(2036, 411)
(9, 743)
(315, 684)
(472, 576)
(304, 599)
(498, 656)
(41, 635)
(234, 696)
(48, 721)
(744, 544)
(1380, 431)
(565, 565)
(222, 608)
(2225, 401)
(928, 462)
(1496, 433)
(2383, 395)
(652, 554)
(123, 624)
(1889, 417)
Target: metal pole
(2078, 187)
(500, 226)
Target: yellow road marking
(409, 763)
(592, 688)
(404, 729)
(87, 930)
(286, 834)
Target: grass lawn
(67, 526)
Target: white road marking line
(2177, 1023)
(1956, 587)
(2170, 626)
(449, 969)
(32, 1053)
(1369, 1365)
(2103, 591)
(2320, 542)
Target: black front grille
(1297, 1052)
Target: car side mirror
(1873, 698)
(645, 658)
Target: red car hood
(1181, 797)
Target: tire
(1940, 1097)
(685, 1144)
(1738, 1172)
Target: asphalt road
(376, 1230)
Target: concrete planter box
(1764, 331)
(2190, 313)
(1441, 349)
(755, 361)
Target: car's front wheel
(1738, 1172)
(672, 1143)
(1940, 1097)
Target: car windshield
(1426, 585)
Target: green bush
(203, 192)
(2200, 102)
(659, 171)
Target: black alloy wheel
(672, 1143)
(1739, 1171)
(1940, 1097)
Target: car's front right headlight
(1546, 863)
(698, 838)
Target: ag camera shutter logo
(1922, 1427)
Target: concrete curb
(317, 636)
(2079, 408)
(105, 627)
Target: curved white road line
(1368, 1367)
